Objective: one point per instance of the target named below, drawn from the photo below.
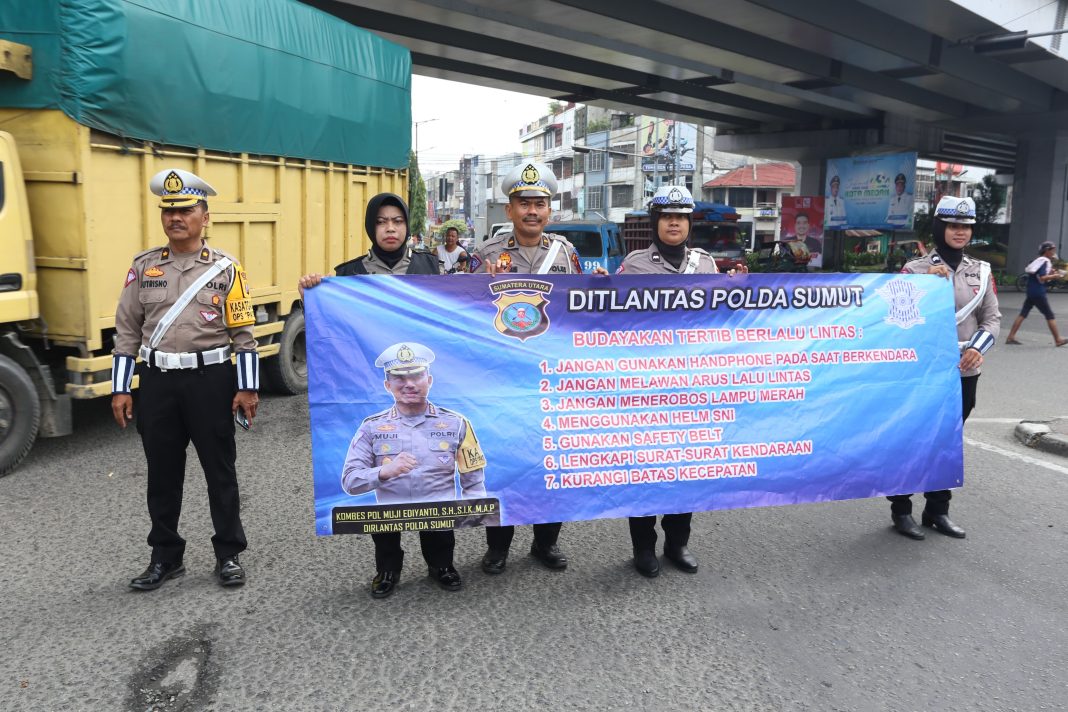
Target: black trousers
(937, 502)
(174, 408)
(500, 538)
(437, 549)
(676, 530)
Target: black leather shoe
(682, 558)
(156, 573)
(230, 572)
(446, 577)
(646, 563)
(493, 561)
(550, 556)
(905, 525)
(384, 583)
(942, 524)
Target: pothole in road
(178, 675)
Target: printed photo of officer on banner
(413, 452)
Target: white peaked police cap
(405, 357)
(179, 189)
(956, 210)
(672, 199)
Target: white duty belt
(550, 259)
(984, 282)
(183, 301)
(692, 262)
(184, 360)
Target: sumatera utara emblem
(521, 305)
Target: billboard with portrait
(870, 192)
(802, 220)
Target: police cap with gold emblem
(179, 189)
(529, 180)
(405, 358)
(952, 209)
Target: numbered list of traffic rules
(636, 395)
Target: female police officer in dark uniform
(978, 321)
(391, 253)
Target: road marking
(1017, 456)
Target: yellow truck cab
(84, 125)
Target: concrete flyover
(783, 79)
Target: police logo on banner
(521, 307)
(903, 299)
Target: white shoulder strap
(550, 259)
(692, 262)
(183, 301)
(984, 282)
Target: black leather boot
(905, 525)
(942, 524)
(682, 558)
(646, 563)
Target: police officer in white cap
(671, 215)
(184, 309)
(412, 452)
(978, 322)
(528, 249)
(899, 211)
(670, 212)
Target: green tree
(459, 224)
(416, 196)
(989, 197)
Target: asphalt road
(809, 607)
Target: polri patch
(209, 316)
(131, 277)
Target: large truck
(294, 117)
(715, 229)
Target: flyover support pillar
(813, 176)
(1039, 197)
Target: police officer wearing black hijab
(386, 222)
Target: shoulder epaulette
(149, 251)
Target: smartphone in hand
(240, 418)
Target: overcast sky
(469, 119)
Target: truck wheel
(287, 372)
(20, 414)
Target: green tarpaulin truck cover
(258, 76)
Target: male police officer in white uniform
(527, 249)
(900, 209)
(835, 205)
(180, 309)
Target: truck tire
(20, 415)
(287, 372)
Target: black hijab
(674, 254)
(390, 257)
(949, 255)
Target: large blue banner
(870, 192)
(535, 398)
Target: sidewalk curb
(1039, 435)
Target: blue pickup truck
(597, 243)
